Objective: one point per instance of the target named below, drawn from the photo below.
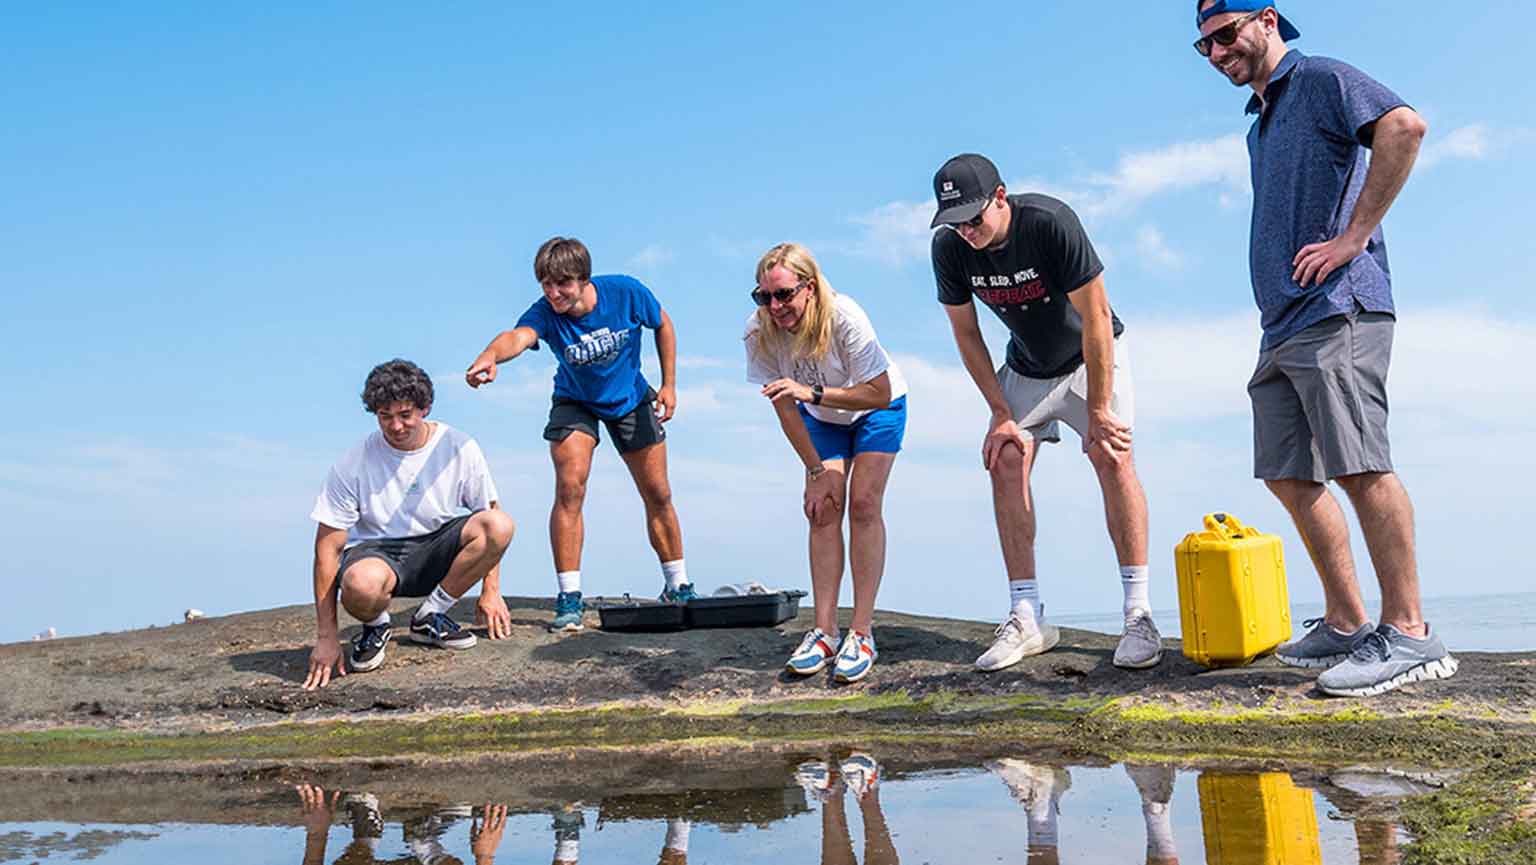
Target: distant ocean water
(1475, 623)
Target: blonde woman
(843, 406)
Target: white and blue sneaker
(567, 612)
(861, 773)
(1386, 659)
(856, 658)
(814, 654)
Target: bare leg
(366, 588)
(1014, 506)
(648, 466)
(1386, 521)
(866, 533)
(482, 542)
(836, 843)
(1125, 503)
(1320, 521)
(573, 465)
(879, 849)
(826, 541)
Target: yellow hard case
(1233, 603)
(1257, 819)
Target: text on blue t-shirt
(599, 353)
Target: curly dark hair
(397, 381)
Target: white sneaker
(1141, 646)
(1017, 640)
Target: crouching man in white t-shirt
(410, 512)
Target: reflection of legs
(674, 850)
(878, 847)
(1155, 784)
(567, 824)
(1037, 788)
(1377, 842)
(826, 542)
(836, 844)
(866, 533)
(367, 828)
(648, 466)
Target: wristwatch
(816, 393)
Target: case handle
(1226, 525)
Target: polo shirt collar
(1287, 63)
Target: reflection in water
(1253, 818)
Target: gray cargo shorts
(1320, 401)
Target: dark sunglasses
(1224, 36)
(762, 297)
(975, 221)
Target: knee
(1008, 466)
(1358, 486)
(1294, 493)
(657, 496)
(498, 528)
(864, 508)
(365, 582)
(570, 493)
(1109, 462)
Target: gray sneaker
(1141, 646)
(1387, 659)
(1322, 646)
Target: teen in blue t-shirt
(593, 325)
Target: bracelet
(815, 472)
(816, 394)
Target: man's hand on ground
(491, 613)
(1003, 431)
(322, 659)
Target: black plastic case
(744, 611)
(628, 614)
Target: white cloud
(651, 257)
(895, 233)
(1154, 250)
(1467, 142)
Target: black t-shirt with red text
(1026, 281)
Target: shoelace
(1311, 623)
(851, 647)
(373, 637)
(1141, 626)
(442, 624)
(809, 640)
(1372, 649)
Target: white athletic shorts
(1041, 405)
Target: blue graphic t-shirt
(599, 352)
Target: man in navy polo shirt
(1320, 278)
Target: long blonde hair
(814, 337)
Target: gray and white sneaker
(1322, 646)
(1386, 659)
(1141, 646)
(1017, 640)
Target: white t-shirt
(854, 357)
(375, 491)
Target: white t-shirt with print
(375, 491)
(854, 357)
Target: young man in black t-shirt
(1029, 260)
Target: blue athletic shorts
(877, 432)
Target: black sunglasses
(975, 221)
(762, 297)
(1224, 36)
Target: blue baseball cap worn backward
(1288, 30)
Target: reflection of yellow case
(1232, 599)
(1257, 819)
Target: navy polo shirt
(1308, 154)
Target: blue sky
(215, 221)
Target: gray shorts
(638, 429)
(1041, 405)
(1320, 401)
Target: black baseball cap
(962, 188)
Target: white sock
(380, 621)
(1024, 598)
(569, 581)
(1133, 580)
(1159, 830)
(677, 835)
(437, 602)
(567, 851)
(675, 573)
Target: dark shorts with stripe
(638, 429)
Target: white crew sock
(1159, 830)
(380, 621)
(1024, 599)
(677, 835)
(569, 581)
(675, 573)
(568, 851)
(1133, 580)
(437, 602)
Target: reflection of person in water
(423, 835)
(859, 775)
(1038, 788)
(567, 825)
(1155, 784)
(674, 849)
